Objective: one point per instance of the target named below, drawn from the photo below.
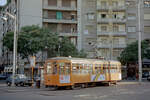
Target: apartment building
(102, 28)
(111, 28)
(109, 25)
(132, 20)
(6, 26)
(61, 17)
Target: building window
(131, 16)
(147, 16)
(103, 15)
(91, 3)
(147, 29)
(131, 40)
(115, 3)
(90, 16)
(115, 28)
(132, 29)
(103, 28)
(66, 3)
(103, 4)
(66, 28)
(52, 2)
(51, 15)
(59, 15)
(73, 40)
(89, 29)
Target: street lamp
(14, 46)
(139, 41)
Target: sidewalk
(127, 82)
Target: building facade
(103, 28)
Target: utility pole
(14, 17)
(14, 47)
(110, 30)
(139, 40)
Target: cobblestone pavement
(127, 90)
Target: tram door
(64, 72)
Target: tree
(130, 53)
(67, 48)
(33, 39)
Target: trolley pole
(139, 41)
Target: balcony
(59, 21)
(119, 46)
(108, 20)
(68, 34)
(59, 8)
(103, 20)
(102, 8)
(118, 8)
(119, 20)
(114, 8)
(117, 33)
(100, 45)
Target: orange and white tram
(67, 71)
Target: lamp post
(3, 3)
(139, 41)
(14, 44)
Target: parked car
(145, 74)
(19, 79)
(148, 78)
(2, 77)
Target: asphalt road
(123, 91)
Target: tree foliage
(130, 53)
(33, 39)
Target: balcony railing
(59, 21)
(114, 8)
(102, 7)
(107, 20)
(107, 45)
(59, 8)
(117, 33)
(67, 34)
(103, 20)
(117, 8)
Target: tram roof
(81, 60)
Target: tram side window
(54, 68)
(84, 68)
(61, 68)
(97, 68)
(74, 68)
(77, 69)
(111, 68)
(90, 68)
(101, 68)
(104, 68)
(67, 68)
(49, 68)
